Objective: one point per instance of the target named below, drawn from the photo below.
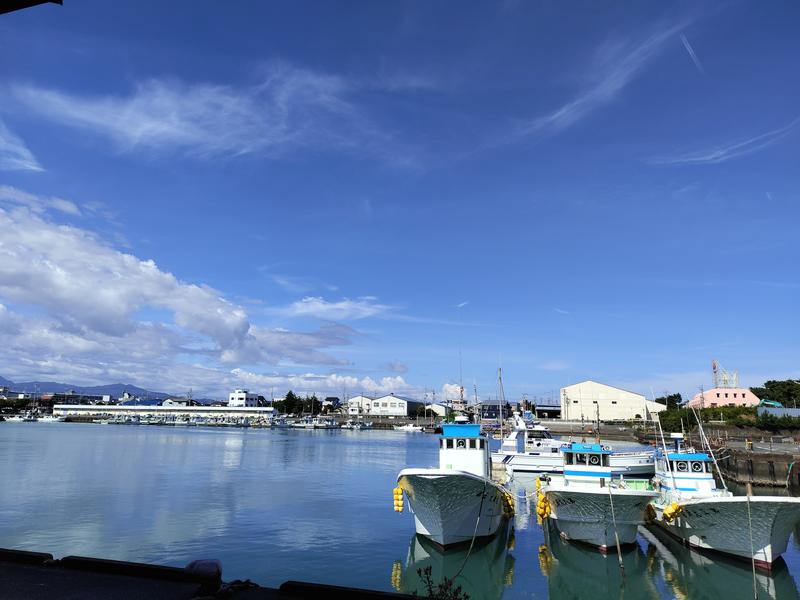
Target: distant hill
(114, 390)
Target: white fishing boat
(534, 451)
(588, 505)
(409, 427)
(354, 425)
(49, 419)
(14, 419)
(281, 423)
(458, 501)
(693, 509)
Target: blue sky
(347, 197)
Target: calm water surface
(274, 505)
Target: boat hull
(447, 504)
(722, 525)
(586, 516)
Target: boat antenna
(704, 441)
(666, 452)
(501, 398)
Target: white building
(239, 398)
(394, 406)
(359, 405)
(584, 399)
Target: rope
(474, 533)
(616, 536)
(752, 549)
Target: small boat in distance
(408, 427)
(457, 502)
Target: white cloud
(14, 154)
(698, 65)
(451, 391)
(39, 204)
(82, 302)
(288, 109)
(342, 310)
(616, 65)
(330, 383)
(726, 152)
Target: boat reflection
(576, 570)
(691, 574)
(657, 568)
(486, 571)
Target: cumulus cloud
(331, 383)
(289, 108)
(14, 154)
(72, 304)
(341, 310)
(451, 391)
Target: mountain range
(114, 390)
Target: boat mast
(500, 397)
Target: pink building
(724, 397)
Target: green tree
(670, 400)
(787, 391)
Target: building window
(376, 404)
(734, 394)
(613, 402)
(574, 401)
(717, 394)
(393, 404)
(726, 394)
(594, 401)
(384, 404)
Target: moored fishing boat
(458, 501)
(588, 505)
(409, 427)
(691, 508)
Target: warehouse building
(583, 401)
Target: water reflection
(485, 572)
(578, 571)
(659, 568)
(690, 574)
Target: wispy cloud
(561, 311)
(726, 152)
(553, 365)
(301, 285)
(289, 108)
(341, 310)
(38, 204)
(14, 154)
(692, 55)
(462, 304)
(617, 65)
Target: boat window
(473, 444)
(681, 466)
(594, 460)
(708, 468)
(461, 443)
(449, 443)
(441, 443)
(606, 460)
(697, 467)
(480, 444)
(580, 459)
(567, 458)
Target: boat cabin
(683, 469)
(463, 448)
(586, 463)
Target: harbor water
(275, 505)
